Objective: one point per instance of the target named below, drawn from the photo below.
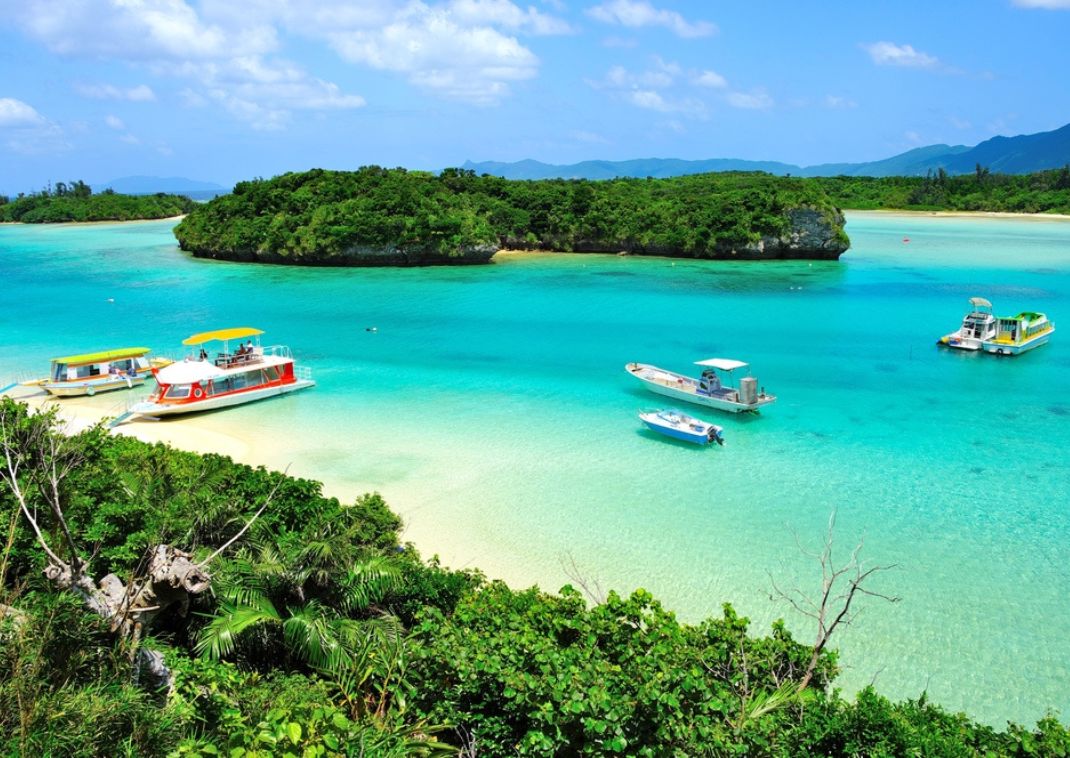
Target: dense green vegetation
(322, 636)
(398, 216)
(76, 202)
(1042, 192)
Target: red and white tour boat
(233, 377)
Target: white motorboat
(716, 387)
(978, 325)
(678, 425)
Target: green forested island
(378, 216)
(77, 202)
(1042, 192)
(162, 603)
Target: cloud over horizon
(891, 54)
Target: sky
(225, 90)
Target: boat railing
(278, 351)
(303, 373)
(22, 378)
(129, 400)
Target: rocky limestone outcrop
(358, 256)
(813, 235)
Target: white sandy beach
(964, 214)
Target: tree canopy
(75, 201)
(335, 217)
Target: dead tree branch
(591, 587)
(840, 587)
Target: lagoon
(491, 409)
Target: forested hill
(1042, 192)
(1022, 154)
(377, 216)
(76, 202)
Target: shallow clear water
(492, 410)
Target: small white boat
(1019, 334)
(232, 377)
(678, 425)
(978, 325)
(714, 388)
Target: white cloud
(27, 131)
(506, 14)
(645, 98)
(226, 58)
(639, 13)
(710, 79)
(839, 102)
(114, 122)
(228, 52)
(130, 139)
(960, 123)
(471, 63)
(15, 113)
(753, 100)
(142, 93)
(136, 30)
(646, 89)
(891, 54)
(1051, 5)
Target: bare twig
(840, 587)
(591, 587)
(249, 523)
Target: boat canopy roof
(103, 355)
(1027, 316)
(724, 364)
(980, 302)
(187, 372)
(222, 334)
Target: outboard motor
(748, 390)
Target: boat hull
(959, 342)
(675, 424)
(221, 401)
(686, 389)
(1011, 348)
(92, 386)
(692, 437)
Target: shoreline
(96, 223)
(77, 414)
(962, 214)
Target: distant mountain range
(150, 185)
(1023, 154)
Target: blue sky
(223, 90)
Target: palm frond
(316, 637)
(218, 638)
(369, 581)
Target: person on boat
(203, 355)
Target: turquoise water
(492, 410)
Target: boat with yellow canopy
(103, 371)
(232, 376)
